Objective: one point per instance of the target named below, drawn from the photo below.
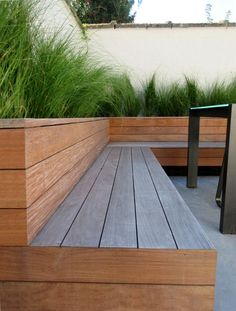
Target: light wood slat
(183, 161)
(163, 121)
(40, 211)
(166, 144)
(43, 175)
(13, 228)
(87, 227)
(27, 122)
(145, 130)
(100, 297)
(120, 226)
(153, 229)
(44, 142)
(167, 138)
(187, 232)
(182, 152)
(58, 225)
(12, 189)
(108, 265)
(12, 149)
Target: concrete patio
(202, 203)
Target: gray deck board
(87, 227)
(56, 228)
(153, 229)
(186, 230)
(120, 225)
(124, 200)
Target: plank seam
(160, 200)
(135, 207)
(108, 205)
(61, 244)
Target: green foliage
(42, 77)
(103, 11)
(122, 99)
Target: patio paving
(202, 203)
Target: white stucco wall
(207, 53)
(55, 16)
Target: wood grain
(13, 228)
(100, 297)
(12, 189)
(163, 121)
(163, 137)
(183, 162)
(40, 177)
(182, 152)
(40, 211)
(120, 225)
(147, 130)
(187, 232)
(108, 265)
(12, 148)
(152, 227)
(28, 122)
(87, 227)
(44, 142)
(59, 224)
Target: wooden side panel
(100, 297)
(149, 130)
(165, 137)
(163, 121)
(164, 129)
(43, 142)
(178, 156)
(39, 212)
(12, 189)
(13, 228)
(12, 148)
(43, 175)
(108, 265)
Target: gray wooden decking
(124, 200)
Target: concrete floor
(202, 203)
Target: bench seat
(124, 200)
(123, 240)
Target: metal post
(193, 142)
(220, 185)
(228, 210)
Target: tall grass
(42, 77)
(175, 98)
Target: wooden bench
(124, 239)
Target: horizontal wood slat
(159, 137)
(108, 265)
(12, 149)
(39, 165)
(43, 175)
(182, 152)
(147, 130)
(44, 142)
(12, 189)
(101, 297)
(27, 123)
(13, 227)
(209, 162)
(39, 212)
(178, 156)
(163, 121)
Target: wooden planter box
(174, 131)
(42, 159)
(40, 162)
